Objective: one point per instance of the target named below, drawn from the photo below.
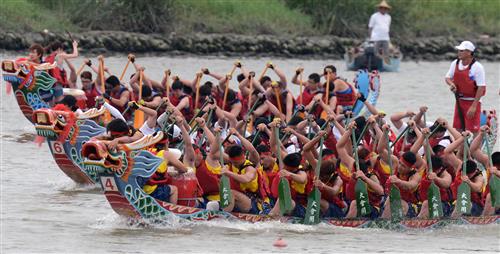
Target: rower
(341, 92)
(247, 183)
(117, 94)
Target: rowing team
(241, 123)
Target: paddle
(433, 195)
(394, 193)
(464, 204)
(80, 69)
(225, 194)
(460, 112)
(313, 200)
(130, 56)
(249, 113)
(198, 79)
(361, 191)
(264, 71)
(327, 91)
(107, 115)
(276, 89)
(226, 91)
(361, 135)
(139, 115)
(167, 81)
(284, 194)
(301, 83)
(494, 180)
(402, 134)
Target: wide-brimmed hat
(384, 4)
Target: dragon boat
(64, 131)
(120, 170)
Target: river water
(43, 211)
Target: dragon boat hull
(157, 211)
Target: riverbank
(327, 47)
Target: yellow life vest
(161, 169)
(216, 171)
(252, 186)
(299, 188)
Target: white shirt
(476, 72)
(380, 24)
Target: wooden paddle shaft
(140, 84)
(327, 91)
(167, 85)
(124, 69)
(101, 74)
(278, 99)
(301, 83)
(226, 90)
(198, 79)
(263, 73)
(80, 69)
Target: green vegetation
(411, 18)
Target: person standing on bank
(466, 79)
(379, 26)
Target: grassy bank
(349, 18)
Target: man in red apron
(466, 79)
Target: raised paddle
(130, 56)
(464, 204)
(363, 208)
(80, 69)
(264, 71)
(394, 193)
(362, 134)
(433, 195)
(301, 83)
(249, 114)
(167, 81)
(139, 115)
(314, 198)
(494, 181)
(107, 115)
(225, 194)
(275, 86)
(284, 194)
(197, 98)
(226, 91)
(327, 91)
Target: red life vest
(187, 112)
(209, 181)
(331, 142)
(57, 73)
(423, 188)
(346, 99)
(91, 95)
(117, 95)
(283, 96)
(476, 197)
(381, 171)
(466, 87)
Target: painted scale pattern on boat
(28, 94)
(67, 154)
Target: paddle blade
(463, 199)
(285, 196)
(495, 191)
(224, 191)
(435, 204)
(362, 203)
(313, 207)
(138, 119)
(395, 203)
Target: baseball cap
(466, 45)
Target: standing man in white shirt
(467, 81)
(379, 25)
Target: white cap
(444, 142)
(466, 45)
(176, 152)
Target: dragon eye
(61, 118)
